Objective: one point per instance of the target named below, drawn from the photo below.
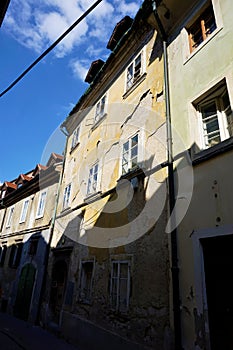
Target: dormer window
(100, 109)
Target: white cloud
(80, 68)
(37, 25)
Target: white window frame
(129, 163)
(85, 294)
(131, 81)
(100, 109)
(220, 116)
(66, 197)
(92, 183)
(115, 304)
(24, 210)
(75, 138)
(10, 216)
(41, 205)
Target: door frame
(199, 270)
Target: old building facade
(27, 210)
(109, 237)
(200, 70)
(140, 251)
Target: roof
(3, 8)
(119, 30)
(93, 70)
(142, 14)
(10, 186)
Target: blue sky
(33, 110)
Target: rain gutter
(171, 188)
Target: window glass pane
(126, 146)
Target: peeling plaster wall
(136, 230)
(209, 211)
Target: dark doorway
(218, 260)
(24, 292)
(59, 278)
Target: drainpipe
(171, 187)
(46, 260)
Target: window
(10, 215)
(100, 109)
(120, 285)
(41, 205)
(92, 179)
(216, 116)
(66, 198)
(24, 210)
(134, 71)
(130, 154)
(33, 245)
(86, 278)
(2, 255)
(75, 139)
(202, 28)
(15, 255)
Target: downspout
(171, 188)
(46, 259)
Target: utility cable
(50, 48)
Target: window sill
(206, 154)
(132, 173)
(39, 217)
(135, 85)
(205, 42)
(92, 197)
(73, 148)
(98, 122)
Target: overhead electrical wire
(50, 48)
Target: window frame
(24, 211)
(75, 138)
(135, 79)
(66, 197)
(40, 213)
(100, 111)
(115, 306)
(86, 299)
(10, 216)
(129, 150)
(15, 255)
(215, 96)
(92, 191)
(198, 23)
(3, 250)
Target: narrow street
(16, 334)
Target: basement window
(86, 281)
(216, 116)
(120, 286)
(202, 27)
